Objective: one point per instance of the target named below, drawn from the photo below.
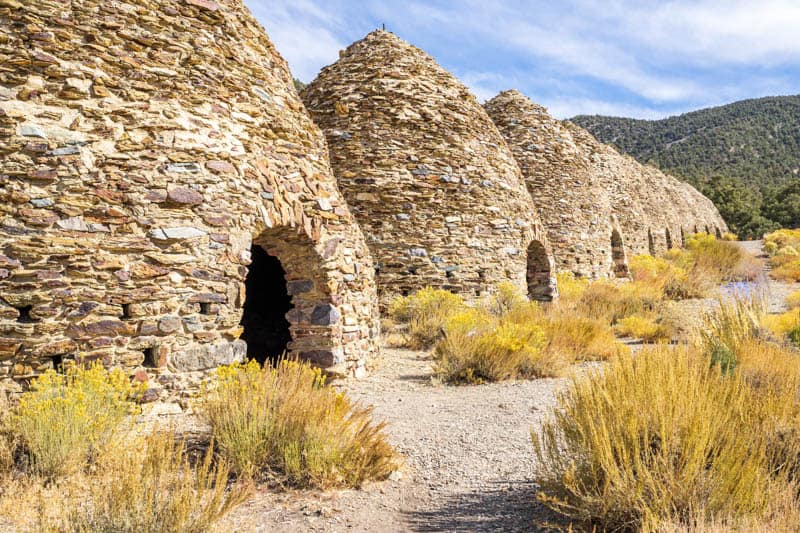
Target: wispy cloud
(644, 58)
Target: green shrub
(721, 355)
(64, 417)
(283, 423)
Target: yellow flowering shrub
(425, 312)
(63, 417)
(644, 327)
(780, 239)
(570, 288)
(283, 423)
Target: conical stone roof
(144, 147)
(586, 192)
(426, 173)
(572, 200)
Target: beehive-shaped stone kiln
(427, 175)
(165, 193)
(598, 206)
(572, 200)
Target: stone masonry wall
(144, 146)
(426, 173)
(572, 200)
(587, 192)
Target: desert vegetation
(783, 249)
(504, 336)
(655, 442)
(282, 423)
(72, 457)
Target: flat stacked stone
(586, 192)
(427, 175)
(572, 200)
(145, 145)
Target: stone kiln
(426, 173)
(598, 207)
(574, 203)
(151, 152)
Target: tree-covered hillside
(745, 156)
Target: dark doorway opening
(718, 232)
(618, 255)
(267, 300)
(651, 244)
(669, 238)
(539, 277)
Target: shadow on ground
(503, 507)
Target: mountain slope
(752, 146)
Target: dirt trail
(468, 454)
(468, 458)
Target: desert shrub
(285, 424)
(148, 487)
(733, 320)
(504, 299)
(611, 301)
(726, 259)
(728, 236)
(645, 327)
(479, 347)
(780, 239)
(782, 247)
(770, 248)
(63, 418)
(572, 338)
(570, 288)
(650, 438)
(785, 268)
(793, 300)
(425, 312)
(781, 324)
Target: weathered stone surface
(586, 192)
(410, 147)
(143, 149)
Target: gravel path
(468, 459)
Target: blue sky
(643, 59)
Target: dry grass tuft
(148, 486)
(283, 423)
(652, 438)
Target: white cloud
(622, 57)
(303, 32)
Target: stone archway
(618, 257)
(651, 244)
(668, 237)
(267, 302)
(288, 305)
(539, 273)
